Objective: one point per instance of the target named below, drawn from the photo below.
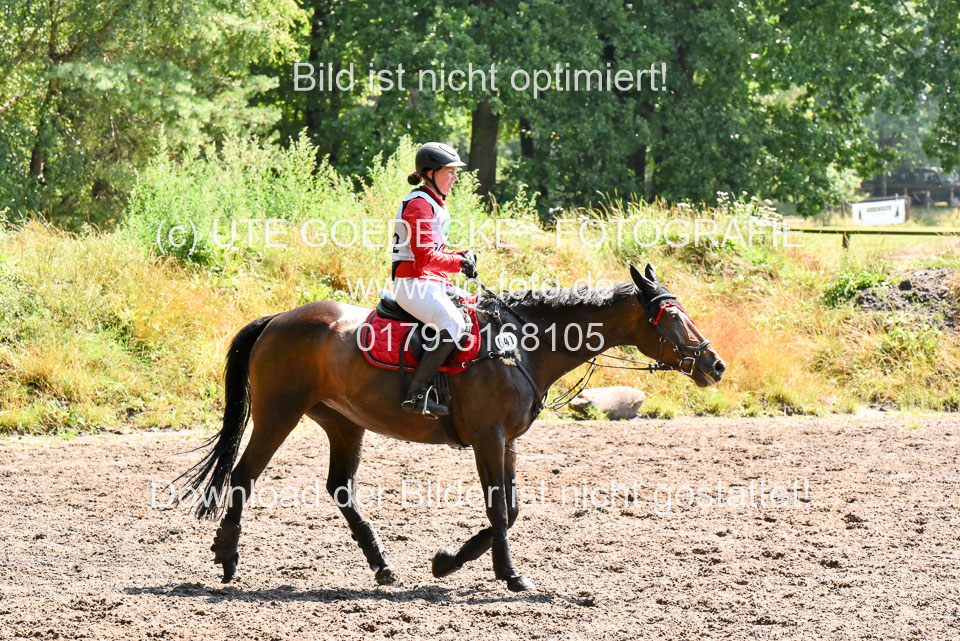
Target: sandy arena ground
(864, 542)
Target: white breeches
(428, 302)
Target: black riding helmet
(436, 155)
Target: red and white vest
(439, 226)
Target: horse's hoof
(385, 576)
(444, 563)
(518, 583)
(224, 547)
(230, 568)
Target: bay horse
(307, 361)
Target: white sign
(879, 212)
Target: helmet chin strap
(434, 183)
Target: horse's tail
(218, 463)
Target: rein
(539, 403)
(565, 398)
(558, 402)
(500, 301)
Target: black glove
(468, 266)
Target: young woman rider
(422, 265)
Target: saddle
(393, 339)
(389, 308)
(389, 327)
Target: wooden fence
(846, 232)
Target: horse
(307, 361)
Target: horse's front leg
(491, 464)
(510, 483)
(447, 560)
(493, 477)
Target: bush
(849, 282)
(203, 210)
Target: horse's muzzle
(710, 373)
(719, 367)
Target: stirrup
(421, 403)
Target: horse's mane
(557, 297)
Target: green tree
(762, 97)
(89, 89)
(931, 71)
(351, 127)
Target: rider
(422, 266)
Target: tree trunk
(637, 162)
(526, 138)
(321, 107)
(483, 146)
(37, 157)
(36, 160)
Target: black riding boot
(420, 398)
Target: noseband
(686, 353)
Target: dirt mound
(929, 295)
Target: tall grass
(108, 329)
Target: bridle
(665, 300)
(684, 352)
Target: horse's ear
(641, 281)
(651, 273)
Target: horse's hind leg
(346, 441)
(269, 432)
(446, 561)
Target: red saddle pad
(381, 340)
